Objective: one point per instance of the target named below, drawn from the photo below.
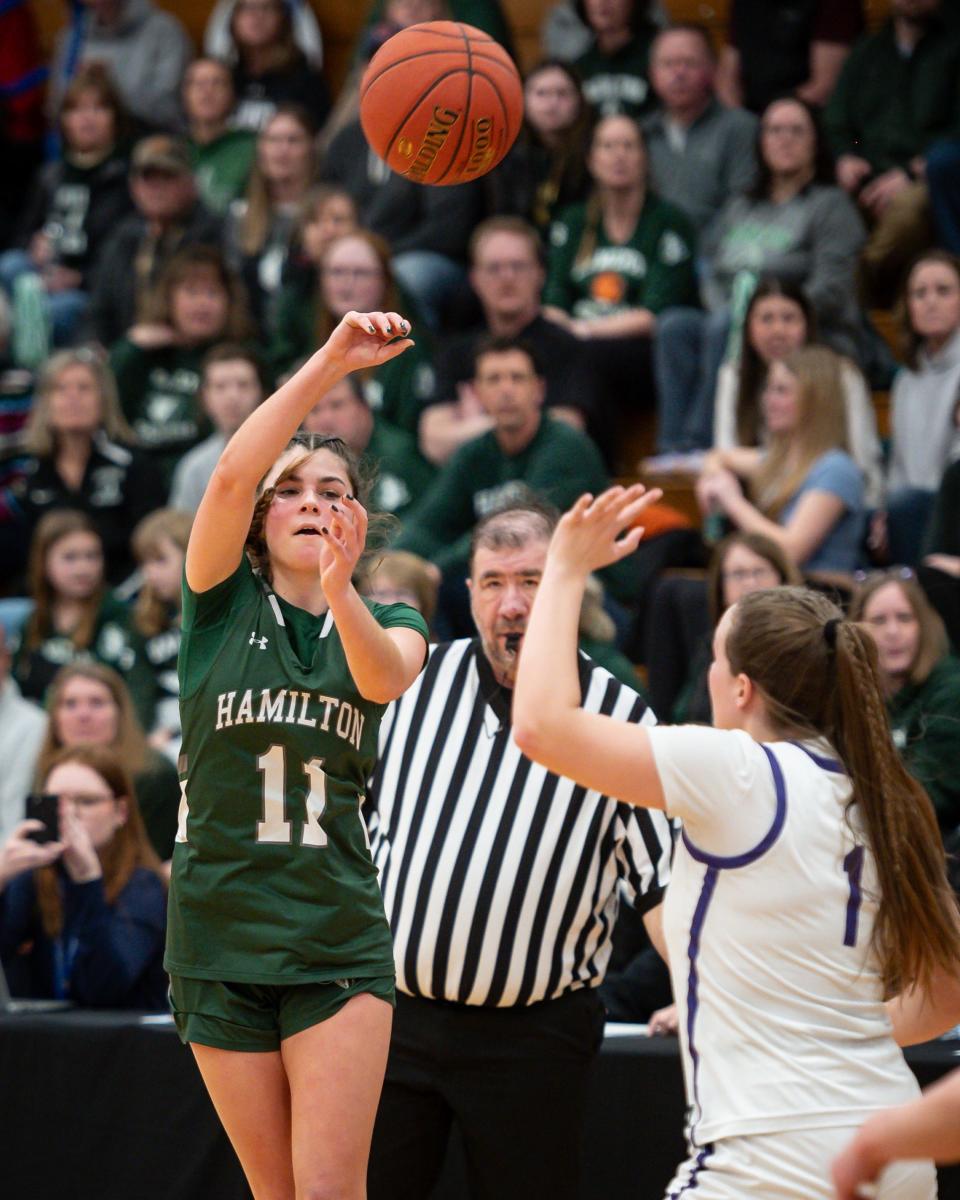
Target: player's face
(777, 327)
(617, 159)
(681, 71)
(891, 620)
(74, 401)
(502, 586)
(341, 414)
(723, 684)
(162, 569)
(787, 138)
(86, 712)
(744, 571)
(352, 277)
(305, 501)
(933, 300)
(506, 274)
(551, 101)
(781, 400)
(95, 805)
(509, 391)
(75, 565)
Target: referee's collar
(497, 697)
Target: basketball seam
(466, 110)
(398, 62)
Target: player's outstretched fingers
(399, 325)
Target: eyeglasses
(888, 573)
(86, 799)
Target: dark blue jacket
(108, 956)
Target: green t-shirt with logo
(159, 393)
(272, 879)
(617, 82)
(222, 167)
(653, 269)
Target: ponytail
(916, 931)
(819, 678)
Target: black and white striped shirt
(501, 881)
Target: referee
(501, 882)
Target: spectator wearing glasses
(921, 683)
(83, 917)
(356, 274)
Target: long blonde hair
(821, 426)
(40, 438)
(255, 222)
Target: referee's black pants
(514, 1080)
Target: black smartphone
(45, 808)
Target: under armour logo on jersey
(257, 641)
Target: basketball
(441, 103)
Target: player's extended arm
(928, 1127)
(223, 518)
(549, 725)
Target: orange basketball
(441, 103)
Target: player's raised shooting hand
(369, 339)
(588, 536)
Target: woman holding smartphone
(809, 882)
(281, 962)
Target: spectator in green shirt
(921, 683)
(524, 452)
(616, 262)
(614, 69)
(222, 158)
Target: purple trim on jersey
(828, 764)
(693, 982)
(719, 862)
(693, 1181)
(853, 865)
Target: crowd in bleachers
(741, 247)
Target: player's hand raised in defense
(588, 536)
(369, 339)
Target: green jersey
(653, 269)
(272, 878)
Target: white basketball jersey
(768, 918)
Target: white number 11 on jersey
(275, 827)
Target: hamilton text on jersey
(288, 706)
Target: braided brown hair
(819, 678)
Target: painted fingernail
(348, 497)
(324, 529)
(370, 329)
(334, 507)
(404, 324)
(389, 328)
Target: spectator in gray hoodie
(146, 51)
